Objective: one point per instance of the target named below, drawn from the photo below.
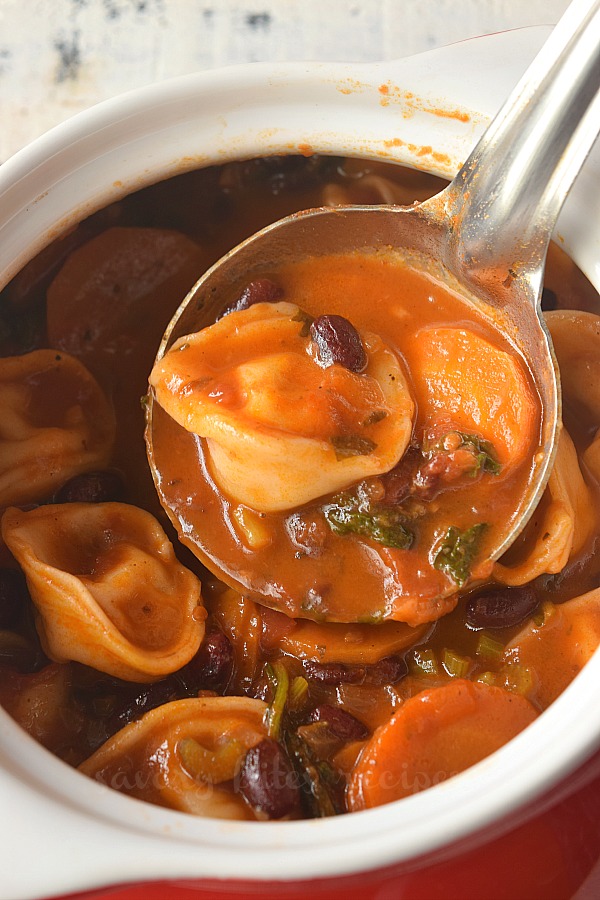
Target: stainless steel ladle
(487, 232)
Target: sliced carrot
(333, 642)
(460, 376)
(434, 735)
(121, 281)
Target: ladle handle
(507, 196)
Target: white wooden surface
(60, 56)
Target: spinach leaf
(484, 453)
(457, 552)
(384, 526)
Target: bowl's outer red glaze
(549, 857)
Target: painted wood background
(58, 57)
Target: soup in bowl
(281, 634)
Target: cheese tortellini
(148, 758)
(108, 588)
(567, 517)
(563, 524)
(56, 423)
(282, 430)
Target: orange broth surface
(347, 577)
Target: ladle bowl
(485, 236)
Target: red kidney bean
(92, 487)
(268, 781)
(386, 671)
(338, 341)
(133, 708)
(333, 673)
(211, 667)
(342, 724)
(13, 597)
(398, 483)
(501, 608)
(263, 290)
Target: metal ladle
(487, 232)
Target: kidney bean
(342, 724)
(268, 781)
(263, 290)
(501, 608)
(133, 708)
(211, 667)
(338, 341)
(398, 483)
(333, 673)
(13, 596)
(92, 487)
(386, 671)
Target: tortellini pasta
(557, 648)
(108, 588)
(566, 518)
(147, 760)
(562, 524)
(56, 423)
(280, 429)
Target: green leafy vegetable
(378, 415)
(306, 320)
(457, 552)
(346, 445)
(385, 526)
(484, 454)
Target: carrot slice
(123, 281)
(334, 642)
(460, 376)
(434, 735)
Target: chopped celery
(518, 679)
(423, 662)
(213, 766)
(544, 613)
(280, 682)
(455, 665)
(298, 691)
(385, 526)
(490, 678)
(457, 552)
(489, 648)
